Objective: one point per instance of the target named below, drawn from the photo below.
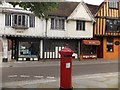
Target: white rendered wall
(31, 31)
(72, 32)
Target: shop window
(80, 25)
(73, 45)
(110, 45)
(49, 46)
(28, 48)
(57, 23)
(88, 49)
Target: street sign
(117, 43)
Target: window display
(28, 48)
(88, 49)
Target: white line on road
(24, 76)
(29, 82)
(50, 77)
(10, 76)
(38, 76)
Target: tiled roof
(66, 8)
(93, 8)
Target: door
(100, 49)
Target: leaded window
(20, 21)
(113, 4)
(80, 25)
(112, 25)
(32, 21)
(57, 24)
(7, 19)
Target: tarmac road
(11, 74)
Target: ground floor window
(88, 49)
(50, 45)
(28, 48)
(110, 45)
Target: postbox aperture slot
(67, 56)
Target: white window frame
(113, 4)
(16, 25)
(57, 24)
(31, 21)
(80, 25)
(8, 19)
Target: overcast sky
(95, 2)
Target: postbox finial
(66, 45)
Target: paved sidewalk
(102, 80)
(51, 63)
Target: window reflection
(88, 49)
(112, 25)
(28, 48)
(113, 4)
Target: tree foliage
(40, 9)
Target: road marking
(10, 76)
(38, 76)
(24, 76)
(29, 82)
(50, 77)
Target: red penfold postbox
(66, 69)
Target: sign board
(19, 31)
(67, 65)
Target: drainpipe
(46, 27)
(79, 47)
(46, 19)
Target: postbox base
(65, 88)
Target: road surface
(11, 74)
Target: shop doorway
(100, 49)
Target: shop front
(53, 46)
(89, 49)
(25, 49)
